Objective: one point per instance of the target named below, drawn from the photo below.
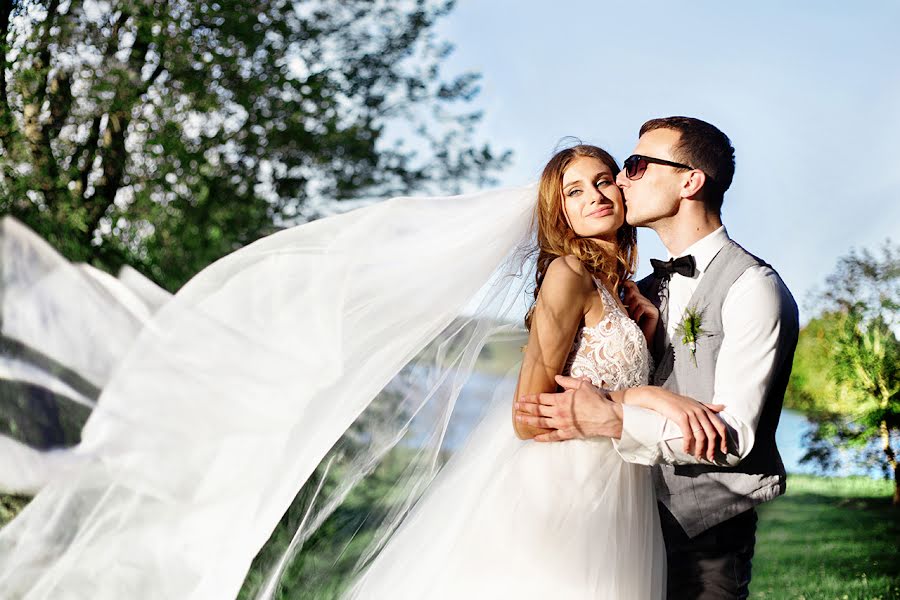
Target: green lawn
(829, 538)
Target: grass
(829, 538)
(10, 506)
(330, 557)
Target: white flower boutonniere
(690, 328)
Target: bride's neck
(608, 245)
(610, 248)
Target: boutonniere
(690, 328)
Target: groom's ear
(693, 184)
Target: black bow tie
(663, 269)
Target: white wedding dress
(509, 518)
(307, 356)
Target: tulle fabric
(285, 375)
(76, 317)
(238, 387)
(508, 518)
(63, 328)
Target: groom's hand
(579, 411)
(641, 310)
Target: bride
(254, 379)
(511, 518)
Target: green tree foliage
(867, 362)
(847, 366)
(167, 133)
(811, 386)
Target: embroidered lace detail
(613, 353)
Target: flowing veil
(278, 385)
(63, 328)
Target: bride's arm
(695, 419)
(558, 312)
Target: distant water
(791, 430)
(792, 427)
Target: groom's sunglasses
(636, 164)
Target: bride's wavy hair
(611, 263)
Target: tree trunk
(891, 459)
(5, 114)
(113, 152)
(896, 485)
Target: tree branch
(113, 152)
(60, 103)
(35, 133)
(44, 53)
(154, 75)
(5, 11)
(6, 119)
(89, 148)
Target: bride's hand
(641, 310)
(702, 430)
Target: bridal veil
(282, 375)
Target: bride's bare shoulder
(565, 280)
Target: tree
(810, 380)
(855, 343)
(867, 361)
(167, 133)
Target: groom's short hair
(704, 147)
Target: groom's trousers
(712, 565)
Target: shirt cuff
(642, 430)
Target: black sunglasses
(636, 164)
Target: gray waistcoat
(700, 496)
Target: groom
(739, 355)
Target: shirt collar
(706, 248)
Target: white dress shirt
(751, 323)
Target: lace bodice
(613, 353)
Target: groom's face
(657, 194)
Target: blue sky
(808, 92)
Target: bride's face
(592, 200)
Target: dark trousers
(713, 565)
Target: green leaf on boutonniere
(690, 328)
